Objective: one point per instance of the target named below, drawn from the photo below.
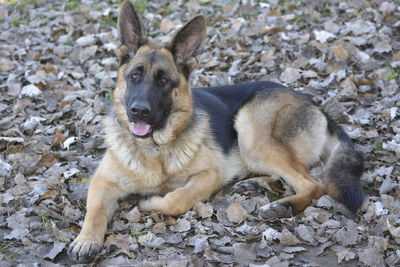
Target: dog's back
(279, 131)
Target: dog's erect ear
(131, 32)
(188, 41)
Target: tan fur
(280, 135)
(267, 147)
(191, 168)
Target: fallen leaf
(30, 90)
(290, 75)
(345, 255)
(306, 233)
(371, 256)
(236, 213)
(134, 215)
(55, 250)
(203, 210)
(323, 36)
(182, 225)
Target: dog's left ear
(188, 41)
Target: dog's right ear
(131, 32)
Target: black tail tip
(352, 197)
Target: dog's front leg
(199, 187)
(102, 202)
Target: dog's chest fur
(149, 168)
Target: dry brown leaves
(57, 69)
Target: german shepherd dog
(181, 145)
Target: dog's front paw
(83, 250)
(151, 204)
(166, 205)
(276, 210)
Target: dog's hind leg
(283, 137)
(254, 184)
(278, 162)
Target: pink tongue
(139, 128)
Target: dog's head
(152, 80)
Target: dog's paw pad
(276, 210)
(84, 251)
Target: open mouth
(140, 128)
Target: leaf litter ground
(57, 71)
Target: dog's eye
(164, 81)
(135, 77)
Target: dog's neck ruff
(173, 155)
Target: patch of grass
(140, 5)
(394, 74)
(325, 109)
(371, 190)
(167, 11)
(71, 4)
(10, 256)
(326, 12)
(251, 15)
(298, 19)
(391, 76)
(15, 22)
(80, 180)
(285, 4)
(378, 145)
(5, 247)
(23, 3)
(45, 220)
(109, 96)
(273, 197)
(2, 20)
(117, 4)
(82, 208)
(108, 23)
(136, 235)
(69, 43)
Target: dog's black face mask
(152, 72)
(148, 99)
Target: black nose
(140, 110)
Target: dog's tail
(344, 168)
